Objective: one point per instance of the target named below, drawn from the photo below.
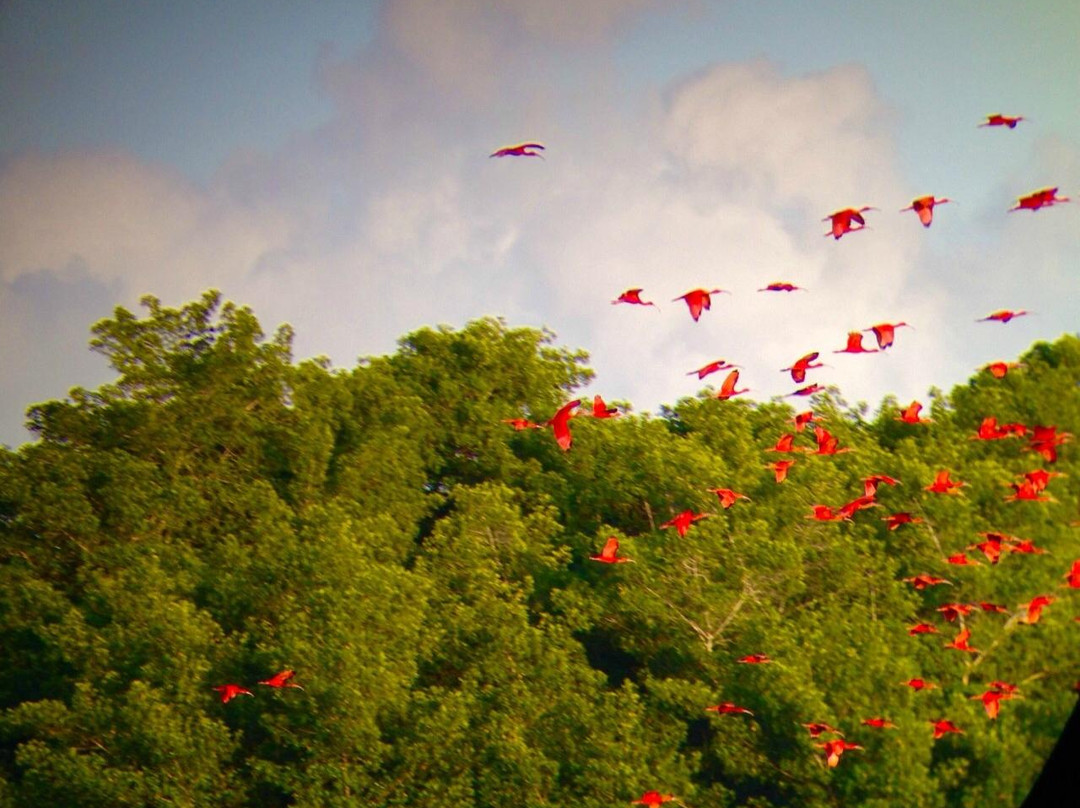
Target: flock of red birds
(1043, 440)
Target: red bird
(1046, 439)
(952, 611)
(1003, 315)
(801, 419)
(283, 679)
(1034, 608)
(779, 286)
(754, 659)
(727, 389)
(924, 580)
(1027, 491)
(699, 299)
(817, 728)
(826, 443)
(997, 119)
(924, 208)
(961, 560)
(712, 367)
(602, 410)
(1040, 478)
(519, 150)
(943, 485)
(1072, 577)
(521, 423)
(1025, 546)
(809, 390)
(230, 692)
(858, 504)
(922, 628)
(785, 444)
(991, 700)
(902, 518)
(919, 684)
(992, 607)
(960, 643)
(633, 296)
(911, 414)
(834, 749)
(610, 553)
(650, 799)
(841, 221)
(1044, 198)
(682, 521)
(780, 467)
(798, 370)
(560, 424)
(878, 723)
(727, 708)
(999, 369)
(854, 344)
(823, 513)
(871, 483)
(991, 547)
(885, 333)
(943, 725)
(727, 496)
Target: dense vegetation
(220, 513)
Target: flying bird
(281, 680)
(727, 389)
(826, 443)
(1043, 198)
(871, 483)
(682, 521)
(834, 749)
(1033, 608)
(910, 415)
(727, 708)
(952, 611)
(519, 150)
(754, 659)
(942, 726)
(712, 367)
(801, 419)
(651, 799)
(560, 424)
(997, 119)
(999, 369)
(1040, 478)
(809, 390)
(878, 723)
(633, 296)
(1002, 316)
(943, 485)
(780, 467)
(823, 513)
(991, 700)
(727, 496)
(1025, 546)
(924, 208)
(780, 286)
(918, 684)
(923, 580)
(803, 364)
(842, 221)
(520, 424)
(922, 628)
(885, 333)
(785, 444)
(698, 300)
(610, 553)
(960, 642)
(1072, 577)
(854, 344)
(1027, 491)
(602, 410)
(817, 728)
(902, 518)
(961, 560)
(230, 691)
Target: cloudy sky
(328, 165)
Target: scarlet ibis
(986, 606)
(952, 611)
(924, 208)
(803, 364)
(1040, 478)
(922, 628)
(712, 367)
(781, 286)
(878, 723)
(817, 728)
(727, 389)
(1072, 577)
(754, 659)
(519, 150)
(858, 504)
(560, 424)
(960, 642)
(282, 679)
(841, 221)
(650, 799)
(854, 344)
(910, 415)
(997, 119)
(961, 560)
(780, 468)
(727, 497)
(991, 547)
(823, 513)
(885, 333)
(699, 299)
(610, 553)
(989, 430)
(834, 749)
(871, 483)
(991, 700)
(1002, 316)
(785, 444)
(682, 521)
(602, 410)
(826, 443)
(633, 296)
(1046, 439)
(923, 580)
(918, 684)
(902, 518)
(999, 369)
(1027, 491)
(943, 485)
(1033, 608)
(944, 725)
(1025, 546)
(727, 708)
(809, 390)
(801, 419)
(230, 691)
(521, 423)
(1043, 198)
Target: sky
(327, 164)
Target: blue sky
(327, 164)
